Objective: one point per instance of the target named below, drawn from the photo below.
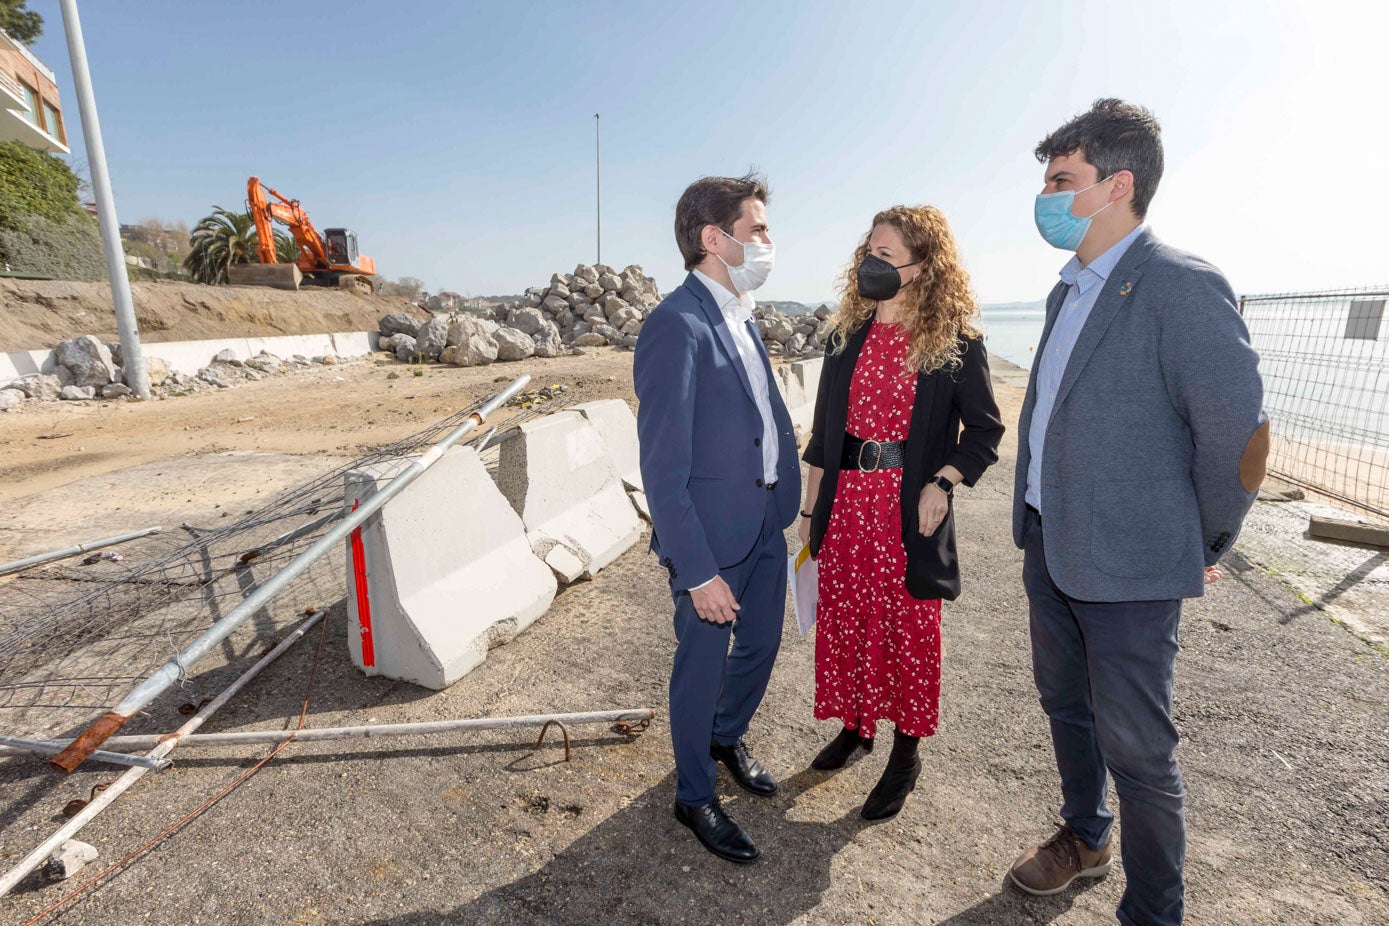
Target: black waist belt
(871, 455)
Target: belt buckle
(877, 456)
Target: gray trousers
(1104, 672)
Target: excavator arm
(313, 253)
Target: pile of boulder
(88, 368)
(595, 306)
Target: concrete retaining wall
(191, 356)
(449, 574)
(559, 478)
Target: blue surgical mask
(1058, 227)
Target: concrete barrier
(440, 575)
(559, 478)
(189, 357)
(789, 384)
(618, 427)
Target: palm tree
(225, 238)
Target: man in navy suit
(722, 477)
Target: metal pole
(132, 357)
(598, 170)
(377, 731)
(15, 744)
(20, 565)
(130, 776)
(106, 725)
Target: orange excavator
(327, 259)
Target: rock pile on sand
(595, 306)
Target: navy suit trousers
(714, 691)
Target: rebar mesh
(74, 642)
(1324, 357)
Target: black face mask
(878, 280)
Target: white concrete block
(808, 372)
(618, 426)
(558, 476)
(449, 573)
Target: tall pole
(132, 357)
(598, 168)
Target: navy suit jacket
(700, 436)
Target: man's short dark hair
(1113, 136)
(713, 201)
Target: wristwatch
(944, 484)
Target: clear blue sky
(457, 138)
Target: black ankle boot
(899, 780)
(840, 749)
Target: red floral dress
(877, 649)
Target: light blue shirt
(1085, 285)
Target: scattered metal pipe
(385, 730)
(20, 565)
(105, 726)
(128, 778)
(46, 748)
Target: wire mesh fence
(1324, 357)
(76, 638)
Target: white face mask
(758, 260)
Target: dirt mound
(36, 315)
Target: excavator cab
(342, 246)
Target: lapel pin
(1126, 289)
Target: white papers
(802, 574)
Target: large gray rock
(75, 393)
(593, 291)
(529, 321)
(40, 385)
(776, 328)
(609, 333)
(632, 327)
(553, 304)
(595, 315)
(228, 356)
(9, 398)
(88, 360)
(632, 296)
(406, 348)
(590, 339)
(514, 344)
(400, 323)
(796, 345)
(610, 282)
(548, 343)
(624, 315)
(468, 326)
(478, 350)
(433, 337)
(612, 302)
(532, 299)
(559, 289)
(578, 299)
(823, 312)
(564, 319)
(115, 390)
(387, 343)
(265, 362)
(585, 273)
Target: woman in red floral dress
(905, 412)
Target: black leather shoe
(719, 832)
(890, 793)
(840, 750)
(746, 770)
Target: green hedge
(66, 249)
(34, 183)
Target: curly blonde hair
(941, 308)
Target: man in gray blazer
(1142, 445)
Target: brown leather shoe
(1051, 867)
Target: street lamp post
(598, 170)
(132, 357)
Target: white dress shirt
(737, 314)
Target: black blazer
(944, 401)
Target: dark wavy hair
(1113, 136)
(714, 201)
